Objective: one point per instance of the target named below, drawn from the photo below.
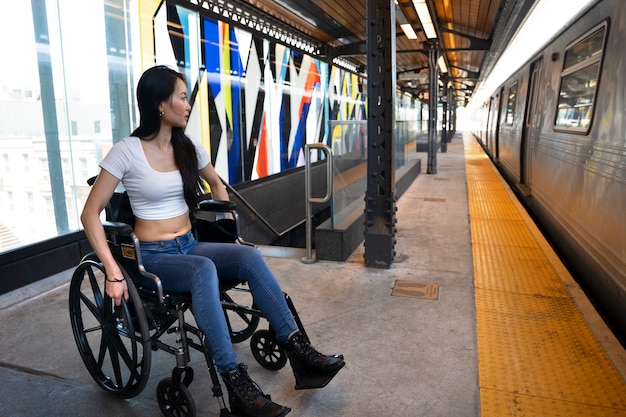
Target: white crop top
(153, 195)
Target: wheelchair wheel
(175, 403)
(266, 350)
(113, 341)
(241, 323)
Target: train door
(531, 126)
(485, 127)
(495, 122)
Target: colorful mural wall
(255, 102)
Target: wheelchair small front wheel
(267, 351)
(175, 401)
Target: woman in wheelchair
(162, 171)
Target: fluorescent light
(424, 15)
(442, 64)
(408, 31)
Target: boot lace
(245, 386)
(304, 348)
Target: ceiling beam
(476, 44)
(351, 49)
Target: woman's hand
(116, 289)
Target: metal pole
(380, 196)
(433, 69)
(308, 259)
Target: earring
(161, 113)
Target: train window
(587, 48)
(579, 82)
(510, 106)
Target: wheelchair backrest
(119, 210)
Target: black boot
(246, 398)
(310, 368)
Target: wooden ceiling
(471, 34)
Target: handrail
(249, 207)
(346, 122)
(307, 190)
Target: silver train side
(571, 173)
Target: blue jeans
(186, 265)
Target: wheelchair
(116, 342)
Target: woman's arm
(218, 191)
(100, 194)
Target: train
(556, 130)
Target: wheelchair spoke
(242, 321)
(126, 330)
(116, 365)
(95, 310)
(92, 329)
(245, 318)
(102, 351)
(95, 287)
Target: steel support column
(433, 70)
(380, 197)
(452, 114)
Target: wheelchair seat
(116, 342)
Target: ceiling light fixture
(442, 64)
(408, 31)
(424, 15)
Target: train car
(556, 129)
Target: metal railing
(307, 190)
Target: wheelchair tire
(113, 341)
(266, 350)
(175, 403)
(241, 323)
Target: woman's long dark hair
(157, 84)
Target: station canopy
(470, 35)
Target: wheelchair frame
(115, 342)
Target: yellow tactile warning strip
(537, 356)
(413, 289)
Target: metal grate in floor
(413, 289)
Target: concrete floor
(406, 357)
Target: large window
(579, 82)
(67, 94)
(54, 86)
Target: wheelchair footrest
(305, 379)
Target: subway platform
(476, 317)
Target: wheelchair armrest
(117, 228)
(219, 206)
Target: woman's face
(176, 109)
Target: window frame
(576, 68)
